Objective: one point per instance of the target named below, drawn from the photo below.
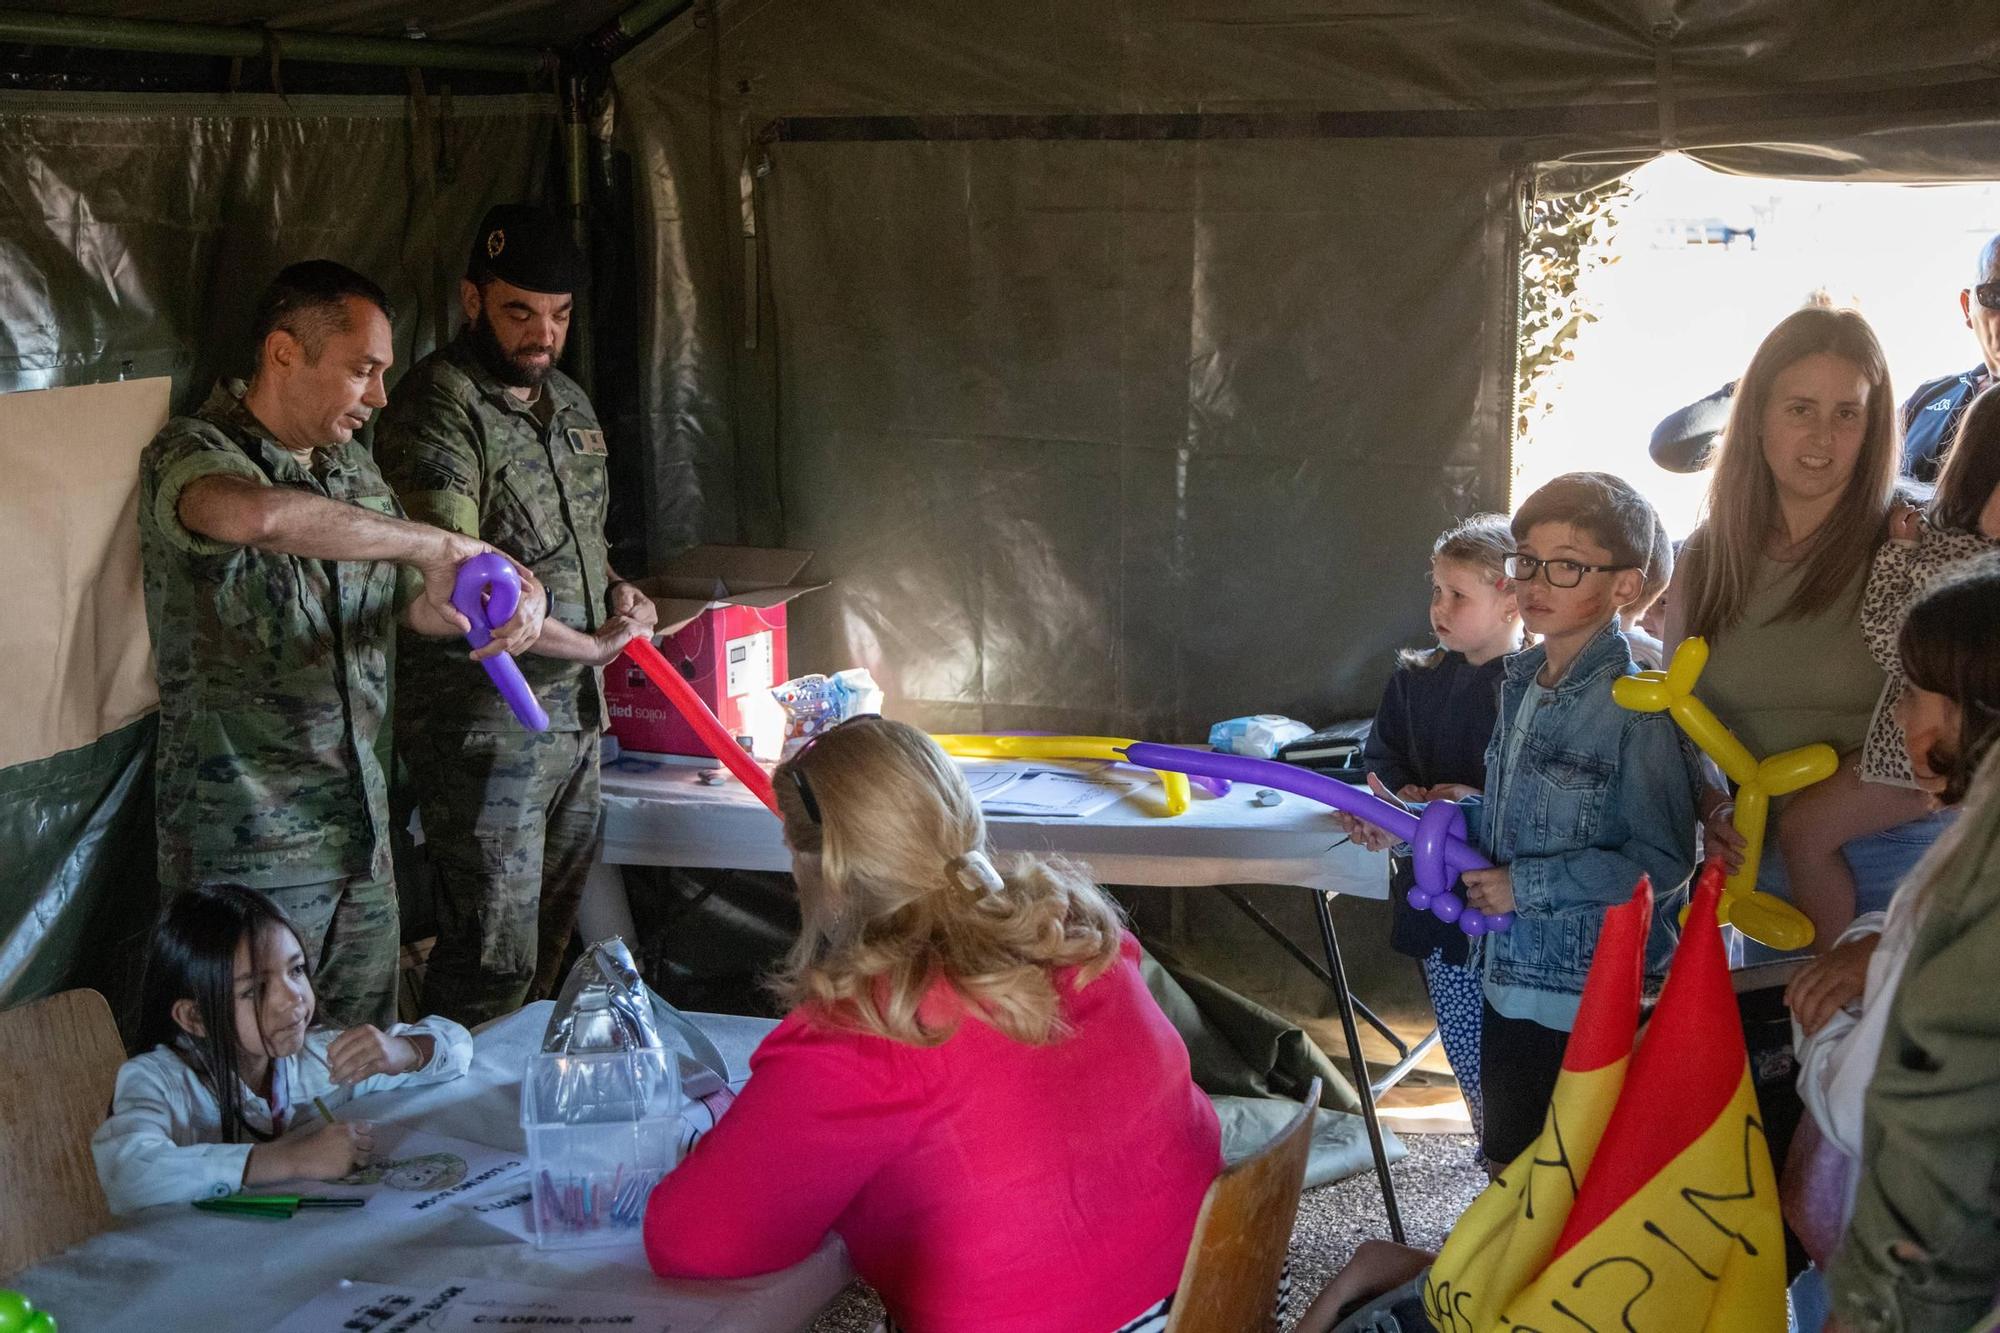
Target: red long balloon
(689, 705)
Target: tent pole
(576, 164)
(617, 36)
(641, 18)
(203, 39)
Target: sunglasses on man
(1987, 294)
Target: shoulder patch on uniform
(586, 441)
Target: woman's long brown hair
(1742, 510)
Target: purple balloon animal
(486, 592)
(1436, 836)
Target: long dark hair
(1971, 470)
(194, 958)
(1950, 645)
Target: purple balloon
(486, 592)
(1448, 855)
(1213, 786)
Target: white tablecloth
(176, 1268)
(656, 812)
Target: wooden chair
(1230, 1283)
(59, 1061)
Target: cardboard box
(722, 624)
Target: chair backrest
(59, 1061)
(1230, 1282)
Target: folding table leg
(1362, 1088)
(1312, 965)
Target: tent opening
(1652, 292)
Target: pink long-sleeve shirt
(979, 1184)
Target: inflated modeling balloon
(697, 715)
(1437, 836)
(1764, 917)
(19, 1315)
(1173, 784)
(486, 592)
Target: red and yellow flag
(1649, 1203)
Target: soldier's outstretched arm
(241, 512)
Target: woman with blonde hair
(1772, 578)
(972, 1085)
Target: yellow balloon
(1769, 919)
(1762, 916)
(1690, 660)
(1641, 694)
(1782, 774)
(1716, 741)
(1753, 808)
(1174, 785)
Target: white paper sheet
(1043, 792)
(461, 1307)
(988, 780)
(413, 1171)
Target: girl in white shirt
(225, 1089)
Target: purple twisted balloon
(1437, 836)
(486, 592)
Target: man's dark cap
(529, 247)
(1686, 441)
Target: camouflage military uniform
(510, 817)
(274, 681)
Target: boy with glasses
(1582, 796)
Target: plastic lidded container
(602, 1129)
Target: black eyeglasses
(798, 764)
(1559, 573)
(1988, 295)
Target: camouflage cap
(529, 247)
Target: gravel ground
(1433, 1186)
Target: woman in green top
(1799, 501)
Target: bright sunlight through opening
(1692, 292)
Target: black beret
(528, 247)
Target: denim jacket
(1597, 796)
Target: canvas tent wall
(1119, 359)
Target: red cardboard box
(722, 625)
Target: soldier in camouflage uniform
(276, 565)
(487, 438)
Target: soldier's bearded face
(520, 334)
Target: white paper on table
(459, 1307)
(412, 1171)
(989, 780)
(1044, 792)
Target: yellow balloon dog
(1764, 917)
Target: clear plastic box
(602, 1130)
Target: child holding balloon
(1582, 797)
(1875, 790)
(1429, 742)
(230, 1069)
